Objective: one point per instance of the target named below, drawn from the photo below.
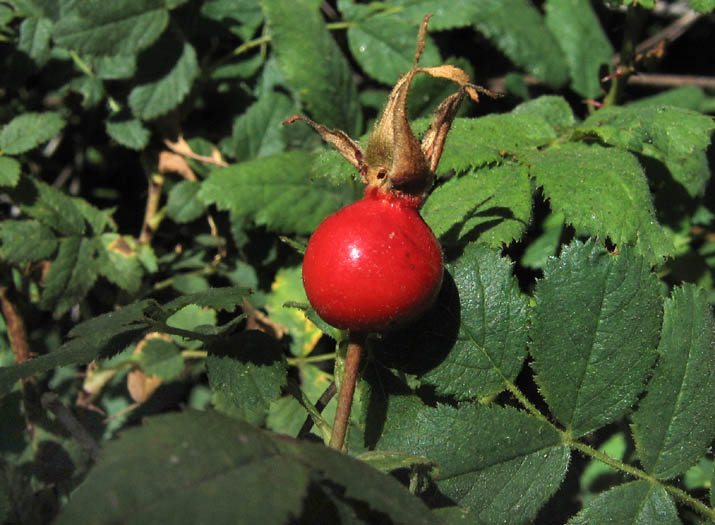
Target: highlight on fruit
(375, 264)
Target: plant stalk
(353, 355)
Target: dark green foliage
(158, 358)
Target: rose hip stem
(356, 341)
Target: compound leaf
(283, 196)
(156, 98)
(25, 241)
(385, 47)
(576, 28)
(490, 347)
(313, 63)
(161, 358)
(475, 142)
(48, 205)
(637, 502)
(130, 133)
(183, 205)
(602, 191)
(257, 132)
(96, 337)
(225, 298)
(123, 27)
(518, 30)
(675, 136)
(487, 447)
(594, 331)
(554, 110)
(674, 423)
(29, 130)
(491, 205)
(118, 261)
(72, 274)
(246, 373)
(9, 171)
(187, 466)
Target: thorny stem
(356, 342)
(566, 439)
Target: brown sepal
(395, 162)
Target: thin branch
(156, 182)
(665, 80)
(347, 390)
(669, 34)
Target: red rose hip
(372, 265)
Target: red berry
(372, 265)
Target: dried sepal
(340, 140)
(395, 162)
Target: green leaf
(576, 28)
(288, 287)
(545, 245)
(118, 261)
(48, 205)
(9, 171)
(637, 502)
(491, 345)
(115, 67)
(314, 66)
(181, 468)
(99, 336)
(518, 30)
(226, 298)
(677, 137)
(385, 47)
(161, 358)
(485, 448)
(90, 88)
(491, 205)
(602, 191)
(246, 373)
(594, 331)
(72, 274)
(29, 130)
(593, 475)
(128, 132)
(101, 328)
(25, 241)
(704, 6)
(35, 34)
(674, 423)
(157, 97)
(123, 27)
(475, 142)
(686, 97)
(183, 205)
(258, 132)
(283, 196)
(554, 110)
(457, 13)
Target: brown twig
(665, 80)
(15, 329)
(668, 34)
(347, 390)
(182, 148)
(156, 183)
